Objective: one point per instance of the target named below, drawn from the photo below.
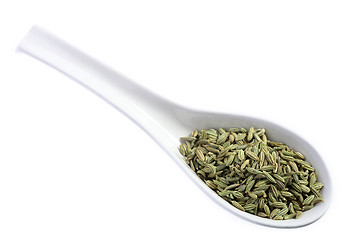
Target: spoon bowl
(206, 120)
(165, 121)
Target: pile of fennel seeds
(256, 175)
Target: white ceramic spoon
(165, 121)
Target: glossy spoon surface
(165, 121)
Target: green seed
(243, 166)
(287, 194)
(200, 154)
(232, 186)
(274, 212)
(188, 139)
(289, 216)
(283, 211)
(267, 209)
(237, 194)
(307, 207)
(252, 155)
(278, 217)
(250, 134)
(278, 204)
(238, 205)
(249, 207)
(211, 184)
(308, 200)
(269, 177)
(304, 188)
(262, 214)
(253, 170)
(252, 195)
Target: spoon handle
(152, 113)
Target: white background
(72, 167)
